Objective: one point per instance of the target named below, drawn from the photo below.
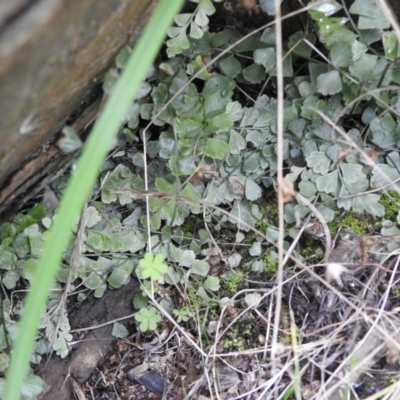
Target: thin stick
(279, 116)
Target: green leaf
(93, 281)
(329, 83)
(328, 8)
(120, 275)
(383, 174)
(253, 300)
(187, 259)
(265, 57)
(38, 212)
(390, 44)
(234, 260)
(368, 203)
(178, 43)
(123, 56)
(255, 249)
(29, 269)
(370, 16)
(119, 331)
(235, 110)
(200, 267)
(98, 293)
(140, 301)
(252, 190)
(236, 142)
(7, 259)
(287, 65)
(182, 315)
(194, 67)
(119, 184)
(182, 19)
(363, 68)
(216, 149)
(195, 31)
(254, 73)
(352, 173)
(341, 54)
(148, 318)
(221, 38)
(242, 212)
(230, 66)
(319, 162)
(308, 189)
(152, 267)
(220, 123)
(92, 217)
(328, 183)
(81, 297)
(10, 279)
(217, 92)
(205, 8)
(193, 198)
(70, 140)
(7, 230)
(312, 102)
(32, 387)
(302, 49)
(212, 283)
(268, 6)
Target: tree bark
(53, 56)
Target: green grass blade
(79, 187)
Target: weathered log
(53, 56)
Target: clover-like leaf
(152, 267)
(182, 314)
(148, 318)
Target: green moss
(271, 263)
(311, 248)
(235, 339)
(352, 221)
(389, 202)
(232, 283)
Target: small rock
(152, 382)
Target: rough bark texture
(53, 56)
